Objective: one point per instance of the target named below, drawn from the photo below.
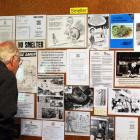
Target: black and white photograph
(79, 98)
(66, 31)
(102, 128)
(98, 31)
(77, 123)
(124, 102)
(50, 84)
(127, 72)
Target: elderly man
(9, 63)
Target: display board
(63, 71)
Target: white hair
(7, 50)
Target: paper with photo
(79, 98)
(7, 28)
(25, 105)
(77, 67)
(53, 130)
(126, 128)
(124, 102)
(127, 69)
(51, 61)
(31, 127)
(77, 123)
(50, 102)
(102, 128)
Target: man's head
(9, 54)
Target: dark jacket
(8, 96)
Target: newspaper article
(77, 67)
(7, 28)
(101, 68)
(126, 128)
(79, 98)
(27, 72)
(127, 69)
(26, 103)
(100, 100)
(53, 130)
(102, 128)
(31, 127)
(98, 31)
(124, 102)
(77, 123)
(31, 31)
(51, 61)
(66, 31)
(50, 104)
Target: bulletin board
(61, 7)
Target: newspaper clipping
(50, 103)
(98, 31)
(51, 61)
(27, 72)
(53, 130)
(127, 69)
(7, 28)
(77, 123)
(31, 127)
(101, 68)
(25, 105)
(100, 101)
(124, 101)
(66, 31)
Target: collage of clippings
(80, 74)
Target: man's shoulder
(5, 73)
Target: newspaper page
(50, 104)
(66, 31)
(7, 28)
(121, 31)
(102, 128)
(100, 100)
(77, 123)
(31, 31)
(124, 102)
(127, 69)
(27, 72)
(26, 103)
(98, 31)
(79, 98)
(51, 61)
(126, 128)
(101, 68)
(53, 130)
(31, 127)
(77, 67)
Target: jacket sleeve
(8, 96)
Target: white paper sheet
(77, 67)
